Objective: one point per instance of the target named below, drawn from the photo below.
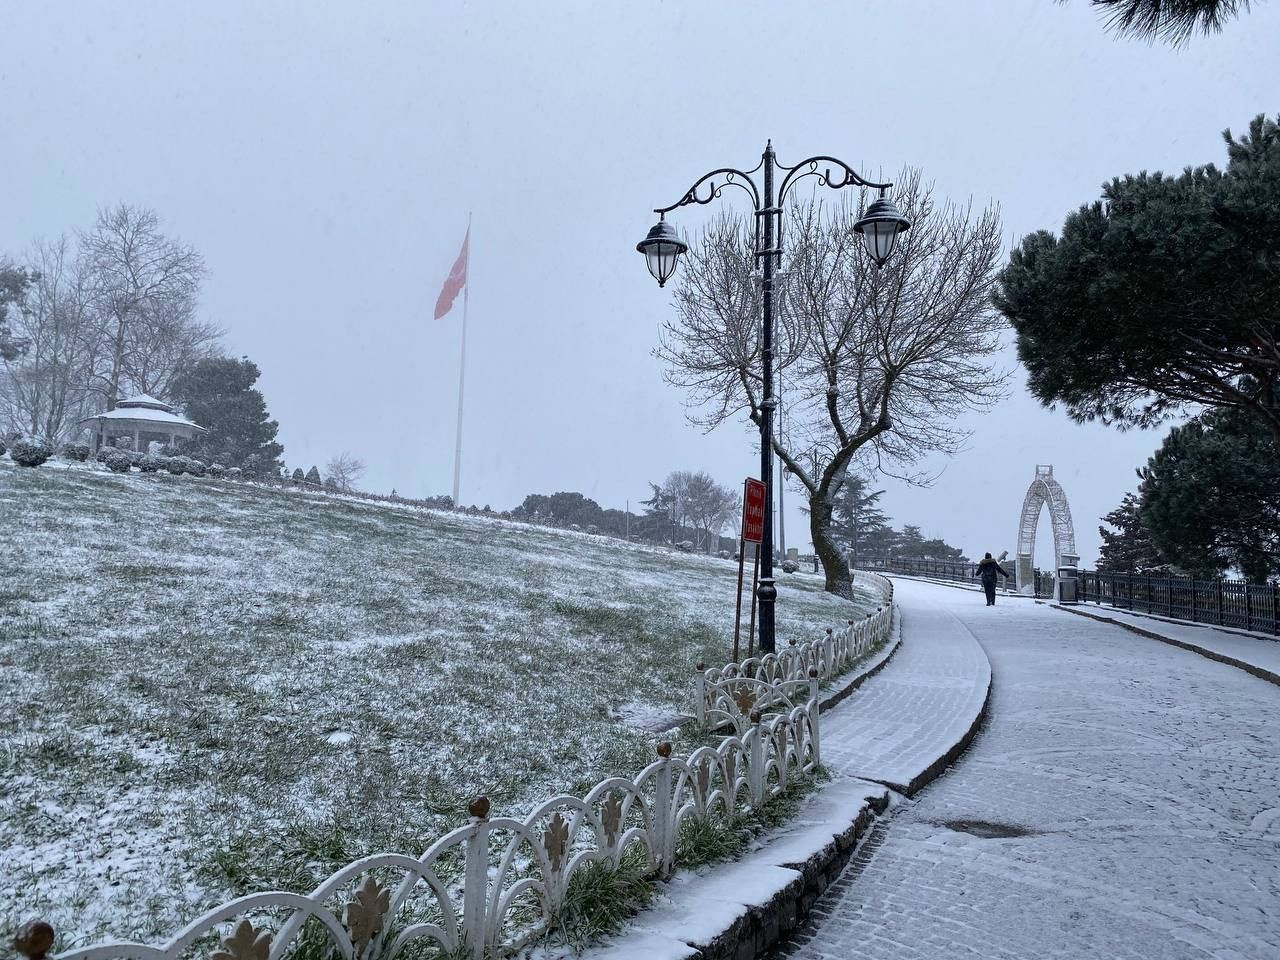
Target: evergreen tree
(1185, 269)
(857, 522)
(1171, 20)
(313, 476)
(219, 394)
(1210, 497)
(298, 475)
(564, 509)
(1127, 546)
(14, 282)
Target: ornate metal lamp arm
(848, 177)
(732, 178)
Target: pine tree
(1210, 496)
(298, 475)
(313, 476)
(1127, 547)
(857, 521)
(219, 394)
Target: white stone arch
(1044, 490)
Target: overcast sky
(324, 159)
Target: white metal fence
(771, 679)
(493, 885)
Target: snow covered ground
(208, 688)
(1122, 800)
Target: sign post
(753, 492)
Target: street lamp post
(879, 227)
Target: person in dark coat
(987, 570)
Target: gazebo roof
(145, 401)
(143, 409)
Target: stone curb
(939, 766)
(895, 641)
(763, 927)
(1260, 672)
(760, 928)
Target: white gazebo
(141, 419)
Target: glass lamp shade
(880, 227)
(662, 249)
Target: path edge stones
(758, 929)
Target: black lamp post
(879, 227)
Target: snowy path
(894, 729)
(1260, 652)
(1146, 779)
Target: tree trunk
(838, 578)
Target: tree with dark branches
(1175, 21)
(879, 363)
(1160, 298)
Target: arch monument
(1044, 491)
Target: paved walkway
(1123, 800)
(1259, 652)
(895, 728)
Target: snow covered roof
(144, 400)
(144, 409)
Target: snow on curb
(872, 667)
(1261, 673)
(743, 909)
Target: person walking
(988, 569)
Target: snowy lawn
(209, 688)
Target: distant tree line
(90, 318)
(862, 529)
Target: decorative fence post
(755, 778)
(664, 840)
(814, 710)
(701, 695)
(475, 892)
(34, 939)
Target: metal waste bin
(1068, 579)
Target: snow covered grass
(210, 688)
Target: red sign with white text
(753, 511)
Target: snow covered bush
(217, 470)
(194, 467)
(175, 465)
(29, 452)
(119, 461)
(78, 452)
(151, 463)
(234, 473)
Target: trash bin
(1068, 579)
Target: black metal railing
(1224, 603)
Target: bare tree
(145, 287)
(700, 503)
(344, 470)
(46, 390)
(879, 362)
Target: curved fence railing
(764, 681)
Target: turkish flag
(456, 280)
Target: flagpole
(462, 373)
